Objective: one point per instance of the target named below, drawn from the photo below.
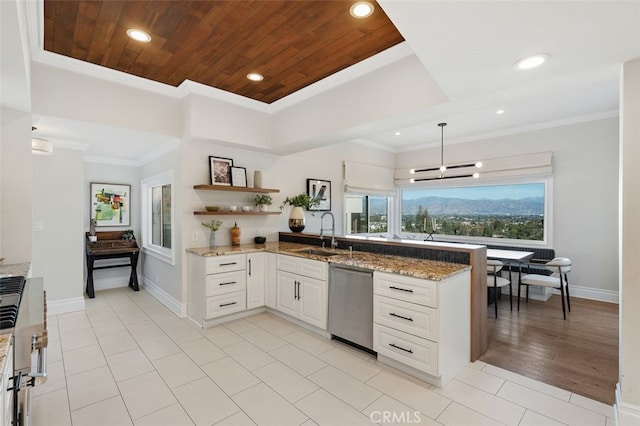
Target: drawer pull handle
(400, 316)
(229, 283)
(402, 349)
(228, 304)
(401, 289)
(229, 264)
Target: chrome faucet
(333, 229)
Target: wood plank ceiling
(217, 43)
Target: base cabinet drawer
(227, 282)
(418, 320)
(225, 304)
(414, 290)
(233, 262)
(416, 352)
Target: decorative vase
(263, 207)
(212, 239)
(296, 219)
(235, 235)
(257, 179)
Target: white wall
(16, 186)
(58, 250)
(585, 193)
(74, 96)
(166, 278)
(111, 173)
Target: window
(480, 213)
(366, 214)
(157, 211)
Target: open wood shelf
(235, 189)
(236, 213)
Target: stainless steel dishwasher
(351, 304)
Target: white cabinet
(270, 280)
(217, 286)
(6, 396)
(256, 268)
(301, 289)
(423, 324)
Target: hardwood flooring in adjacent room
(579, 354)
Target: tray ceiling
(217, 43)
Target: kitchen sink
(317, 252)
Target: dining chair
(559, 268)
(495, 281)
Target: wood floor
(579, 355)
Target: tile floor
(127, 360)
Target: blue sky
(494, 192)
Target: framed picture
(238, 176)
(320, 189)
(220, 170)
(110, 204)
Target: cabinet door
(255, 280)
(313, 302)
(270, 280)
(285, 293)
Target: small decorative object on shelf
(296, 217)
(257, 179)
(128, 235)
(214, 225)
(235, 235)
(262, 201)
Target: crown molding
(516, 130)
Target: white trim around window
(164, 254)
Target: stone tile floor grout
(174, 389)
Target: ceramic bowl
(233, 208)
(260, 240)
(212, 208)
(246, 208)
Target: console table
(111, 245)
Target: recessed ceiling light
(531, 62)
(397, 133)
(254, 76)
(138, 35)
(500, 111)
(361, 9)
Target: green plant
(263, 199)
(300, 200)
(214, 225)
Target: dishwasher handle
(347, 270)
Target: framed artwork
(238, 176)
(110, 204)
(320, 189)
(220, 170)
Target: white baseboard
(626, 414)
(55, 307)
(174, 305)
(592, 294)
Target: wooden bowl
(212, 208)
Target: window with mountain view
(496, 211)
(366, 214)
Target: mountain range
(462, 206)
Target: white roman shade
(537, 165)
(360, 178)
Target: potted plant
(299, 203)
(262, 201)
(213, 226)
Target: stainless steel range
(23, 312)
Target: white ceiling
(469, 48)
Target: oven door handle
(39, 358)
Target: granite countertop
(15, 269)
(419, 268)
